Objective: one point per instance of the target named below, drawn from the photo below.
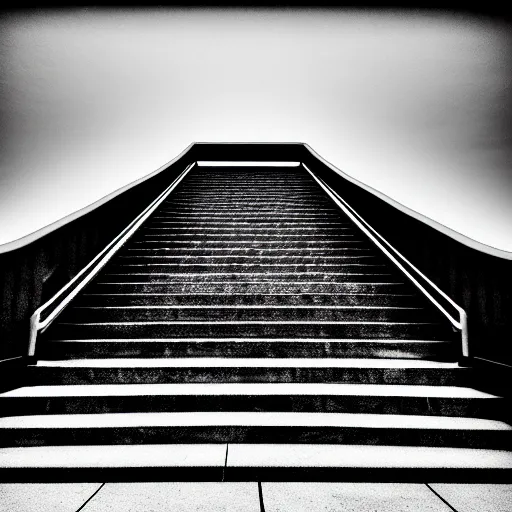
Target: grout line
(260, 493)
(441, 498)
(225, 463)
(96, 492)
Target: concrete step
(247, 287)
(241, 251)
(219, 369)
(249, 239)
(269, 277)
(360, 463)
(240, 259)
(247, 222)
(260, 244)
(244, 229)
(252, 329)
(261, 209)
(253, 462)
(249, 196)
(224, 313)
(230, 298)
(256, 216)
(113, 463)
(252, 234)
(243, 204)
(273, 268)
(62, 348)
(255, 397)
(260, 427)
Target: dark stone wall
(478, 282)
(31, 275)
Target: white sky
(416, 106)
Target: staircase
(250, 330)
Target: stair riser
(244, 230)
(255, 435)
(251, 197)
(230, 259)
(255, 474)
(246, 299)
(249, 288)
(250, 204)
(245, 330)
(304, 254)
(249, 278)
(192, 197)
(283, 473)
(66, 376)
(246, 268)
(270, 186)
(262, 243)
(471, 407)
(182, 313)
(276, 349)
(201, 236)
(260, 209)
(256, 216)
(208, 223)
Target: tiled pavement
(251, 496)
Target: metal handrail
(461, 324)
(93, 267)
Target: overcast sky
(417, 106)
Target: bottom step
(246, 462)
(289, 462)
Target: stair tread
(364, 456)
(115, 456)
(252, 339)
(256, 419)
(219, 362)
(250, 322)
(255, 456)
(249, 306)
(247, 389)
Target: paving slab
(349, 497)
(477, 497)
(45, 497)
(176, 496)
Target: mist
(415, 105)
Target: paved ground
(251, 496)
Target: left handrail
(92, 268)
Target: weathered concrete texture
(45, 497)
(349, 497)
(477, 497)
(176, 496)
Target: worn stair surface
(250, 330)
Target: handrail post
(34, 326)
(464, 333)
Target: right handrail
(461, 324)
